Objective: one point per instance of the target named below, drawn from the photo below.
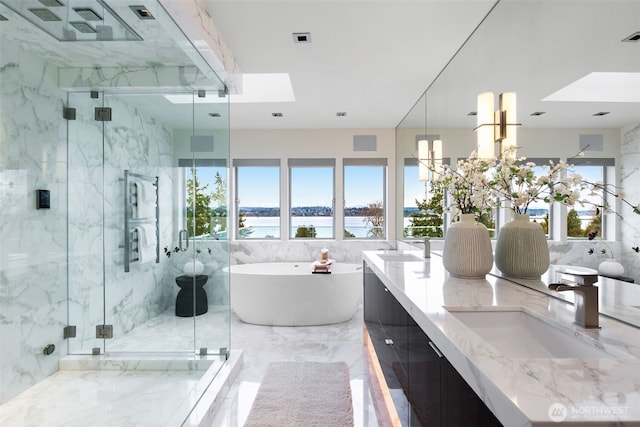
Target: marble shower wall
(33, 243)
(630, 177)
(96, 219)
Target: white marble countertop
(520, 391)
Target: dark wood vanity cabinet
(419, 377)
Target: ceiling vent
(87, 14)
(635, 37)
(51, 3)
(276, 114)
(341, 114)
(537, 113)
(601, 113)
(44, 14)
(302, 37)
(472, 113)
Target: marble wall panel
(33, 242)
(630, 177)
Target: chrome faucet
(586, 297)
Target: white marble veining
(33, 242)
(630, 222)
(521, 391)
(251, 251)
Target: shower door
(147, 201)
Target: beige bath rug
(310, 394)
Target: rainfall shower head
(74, 20)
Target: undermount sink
(519, 334)
(399, 257)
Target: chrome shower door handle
(184, 232)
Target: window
(364, 198)
(312, 198)
(587, 218)
(205, 197)
(540, 211)
(258, 198)
(422, 208)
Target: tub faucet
(586, 297)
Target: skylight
(260, 87)
(601, 87)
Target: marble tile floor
(119, 397)
(153, 363)
(264, 344)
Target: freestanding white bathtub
(289, 294)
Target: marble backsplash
(252, 251)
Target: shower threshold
(126, 391)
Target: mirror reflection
(575, 72)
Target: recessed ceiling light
(51, 3)
(87, 14)
(276, 114)
(44, 14)
(635, 37)
(537, 113)
(83, 27)
(142, 12)
(214, 114)
(601, 113)
(472, 113)
(341, 114)
(302, 37)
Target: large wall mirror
(575, 68)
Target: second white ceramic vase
(522, 250)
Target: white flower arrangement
(477, 185)
(467, 185)
(515, 180)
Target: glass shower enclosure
(147, 193)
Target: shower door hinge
(104, 331)
(68, 113)
(103, 114)
(69, 331)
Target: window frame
(311, 163)
(247, 163)
(367, 162)
(194, 163)
(609, 220)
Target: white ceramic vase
(522, 250)
(611, 268)
(467, 249)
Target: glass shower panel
(209, 146)
(85, 222)
(143, 253)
